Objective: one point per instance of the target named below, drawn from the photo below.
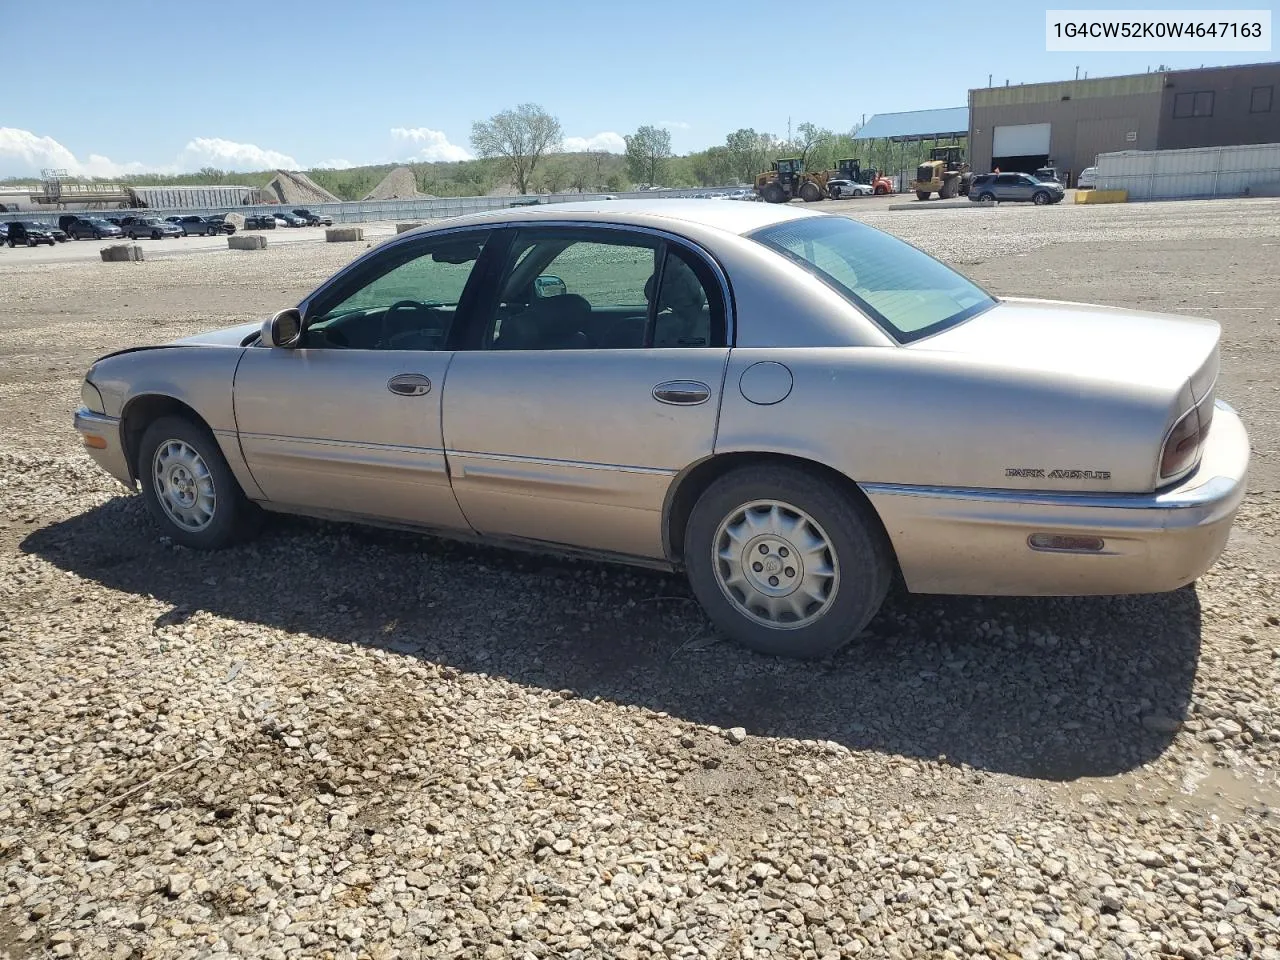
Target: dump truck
(945, 173)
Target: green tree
(749, 152)
(648, 150)
(521, 137)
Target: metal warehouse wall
(1232, 120)
(1190, 174)
(1081, 126)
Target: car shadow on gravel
(1047, 688)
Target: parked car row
(300, 217)
(32, 233)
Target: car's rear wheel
(1040, 198)
(189, 488)
(132, 235)
(784, 562)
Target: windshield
(904, 290)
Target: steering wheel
(384, 332)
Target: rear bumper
(108, 443)
(968, 541)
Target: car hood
(223, 337)
(1087, 342)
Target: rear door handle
(409, 384)
(683, 393)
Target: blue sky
(249, 85)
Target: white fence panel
(1197, 173)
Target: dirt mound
(292, 187)
(399, 184)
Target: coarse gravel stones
(345, 743)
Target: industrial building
(1066, 124)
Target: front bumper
(967, 541)
(105, 443)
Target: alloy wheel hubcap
(184, 485)
(775, 564)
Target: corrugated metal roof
(917, 124)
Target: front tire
(785, 562)
(774, 194)
(922, 194)
(188, 487)
(1040, 198)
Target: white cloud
(23, 152)
(432, 144)
(608, 141)
(674, 124)
(335, 164)
(230, 155)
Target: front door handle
(682, 393)
(409, 384)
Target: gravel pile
(294, 187)
(399, 184)
(348, 743)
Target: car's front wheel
(784, 562)
(189, 488)
(1040, 198)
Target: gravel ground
(338, 742)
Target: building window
(1198, 104)
(1260, 100)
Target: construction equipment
(851, 169)
(787, 179)
(945, 173)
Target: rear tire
(923, 194)
(773, 194)
(785, 562)
(881, 191)
(188, 487)
(810, 192)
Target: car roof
(736, 218)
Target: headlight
(91, 398)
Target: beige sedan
(792, 407)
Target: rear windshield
(904, 290)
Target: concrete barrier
(121, 252)
(1102, 196)
(248, 241)
(343, 234)
(406, 227)
(961, 204)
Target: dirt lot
(342, 743)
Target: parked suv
(314, 219)
(153, 227)
(1014, 187)
(191, 224)
(92, 228)
(30, 232)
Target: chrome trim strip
(86, 419)
(575, 464)
(1211, 491)
(352, 444)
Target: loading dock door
(1021, 140)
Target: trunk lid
(1089, 342)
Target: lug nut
(764, 548)
(783, 552)
(773, 581)
(790, 571)
(757, 566)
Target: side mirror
(283, 329)
(548, 286)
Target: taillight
(1182, 447)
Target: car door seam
(235, 419)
